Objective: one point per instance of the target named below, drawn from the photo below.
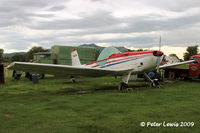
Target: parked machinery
(193, 71)
(172, 73)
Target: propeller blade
(159, 60)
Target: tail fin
(75, 58)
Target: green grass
(54, 106)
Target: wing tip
(10, 65)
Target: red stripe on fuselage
(117, 55)
(96, 61)
(122, 60)
(126, 58)
(124, 54)
(95, 66)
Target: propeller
(159, 60)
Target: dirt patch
(21, 105)
(9, 115)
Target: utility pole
(2, 80)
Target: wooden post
(2, 81)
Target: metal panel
(63, 54)
(49, 61)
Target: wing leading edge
(176, 64)
(64, 70)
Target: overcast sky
(129, 23)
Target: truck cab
(194, 67)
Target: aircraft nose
(157, 53)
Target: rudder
(75, 58)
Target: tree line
(28, 56)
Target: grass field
(54, 106)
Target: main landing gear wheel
(73, 79)
(123, 86)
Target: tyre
(28, 76)
(172, 75)
(41, 76)
(122, 86)
(16, 74)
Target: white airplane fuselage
(138, 63)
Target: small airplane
(126, 64)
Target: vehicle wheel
(28, 76)
(122, 86)
(172, 75)
(42, 76)
(15, 75)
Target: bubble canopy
(105, 54)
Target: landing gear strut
(124, 85)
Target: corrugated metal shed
(62, 55)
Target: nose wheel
(123, 86)
(154, 82)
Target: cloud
(176, 6)
(97, 20)
(57, 8)
(129, 23)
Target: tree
(6, 59)
(29, 54)
(18, 57)
(174, 55)
(140, 49)
(191, 50)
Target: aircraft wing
(64, 70)
(176, 64)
